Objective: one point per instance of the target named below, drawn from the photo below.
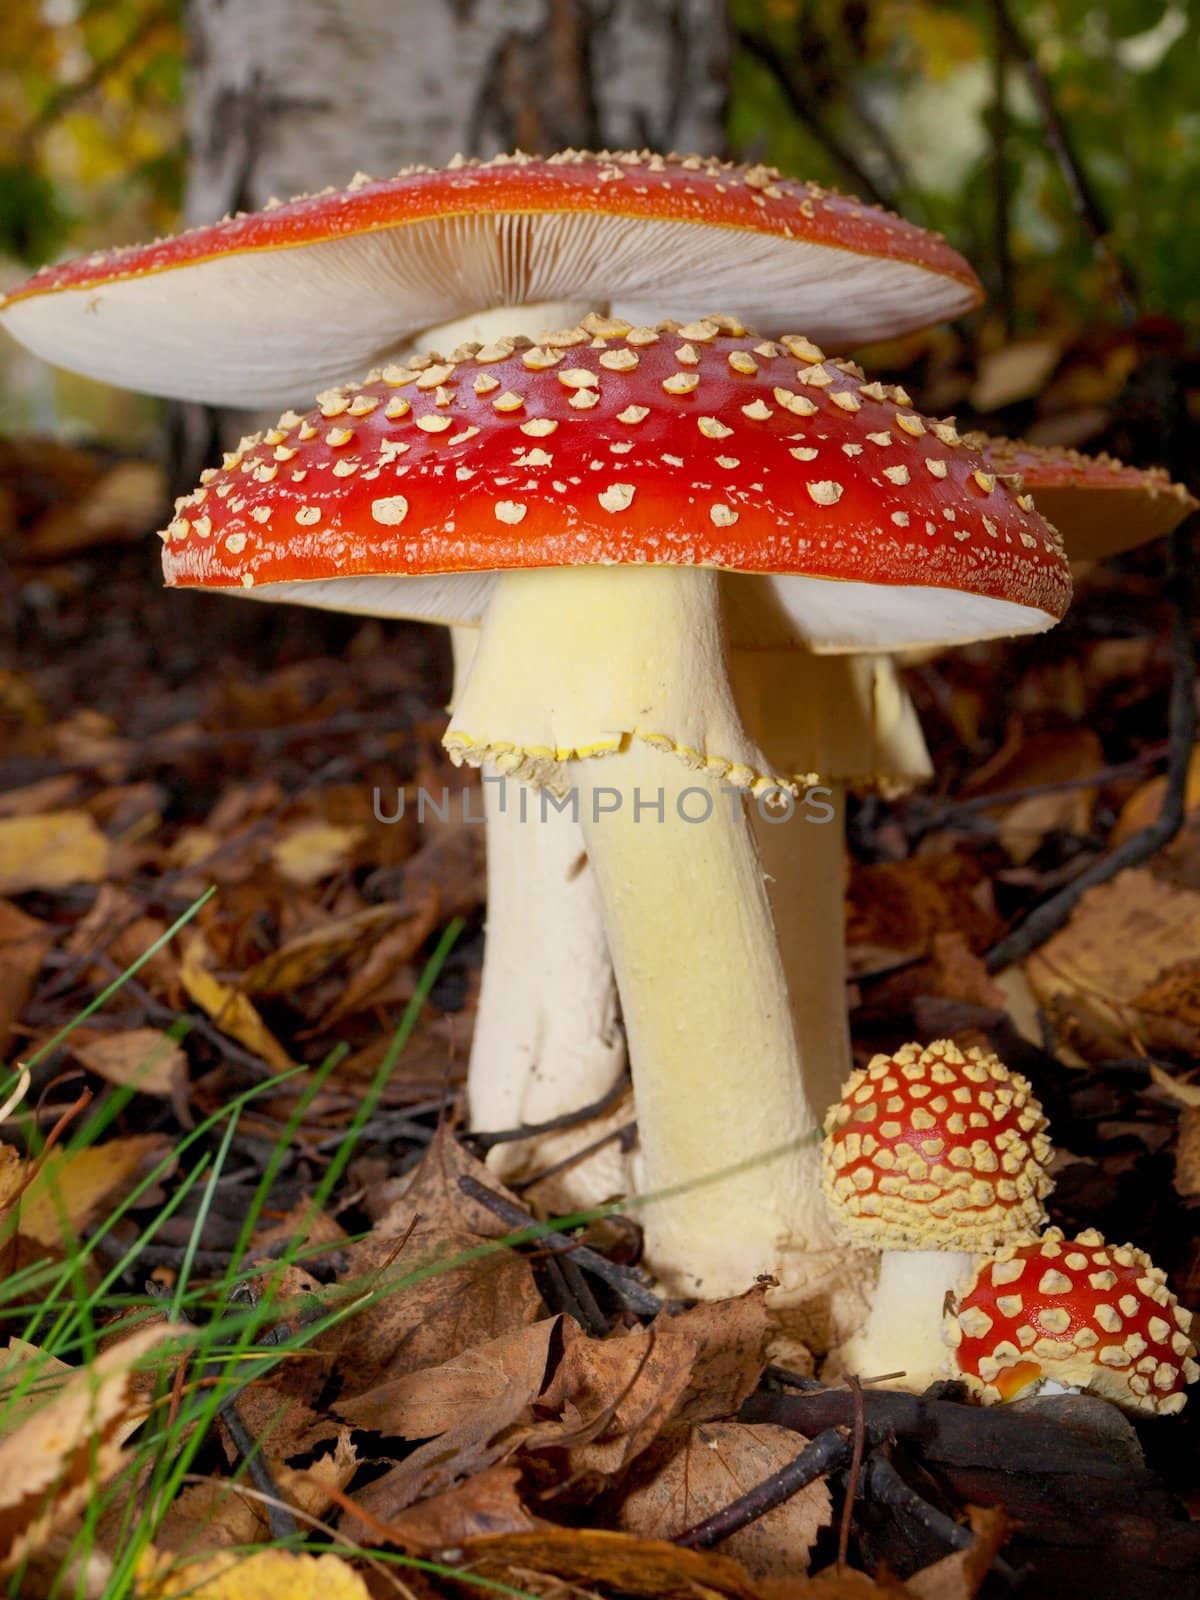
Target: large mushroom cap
(1099, 505)
(267, 307)
(681, 446)
(1086, 1314)
(935, 1149)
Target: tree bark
(291, 95)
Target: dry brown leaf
(28, 1378)
(118, 925)
(57, 1459)
(587, 1557)
(76, 1184)
(315, 850)
(50, 851)
(24, 943)
(703, 1469)
(1124, 968)
(303, 960)
(614, 1397)
(145, 1059)
(431, 1311)
(1187, 1154)
(388, 957)
(430, 1401)
(477, 1444)
(264, 1575)
(231, 1011)
(487, 1503)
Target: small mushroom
(1062, 1314)
(600, 675)
(931, 1156)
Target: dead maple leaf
(264, 1575)
(700, 1470)
(24, 943)
(50, 851)
(59, 1457)
(72, 1186)
(230, 1010)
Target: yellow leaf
(265, 1575)
(50, 851)
(315, 851)
(231, 1011)
(57, 1459)
(75, 1184)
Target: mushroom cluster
(671, 555)
(939, 1159)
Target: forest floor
(272, 1325)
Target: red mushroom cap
(264, 307)
(678, 446)
(935, 1149)
(1098, 504)
(1086, 1314)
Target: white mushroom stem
(903, 1333)
(638, 677)
(547, 1040)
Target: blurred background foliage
(927, 105)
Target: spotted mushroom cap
(1099, 505)
(934, 1149)
(264, 308)
(698, 445)
(1081, 1312)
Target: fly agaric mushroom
(1061, 1313)
(264, 308)
(932, 1156)
(587, 497)
(267, 307)
(1099, 505)
(869, 735)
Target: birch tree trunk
(291, 95)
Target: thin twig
(828, 1452)
(568, 1119)
(629, 1289)
(1083, 196)
(1181, 724)
(881, 1483)
(860, 1430)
